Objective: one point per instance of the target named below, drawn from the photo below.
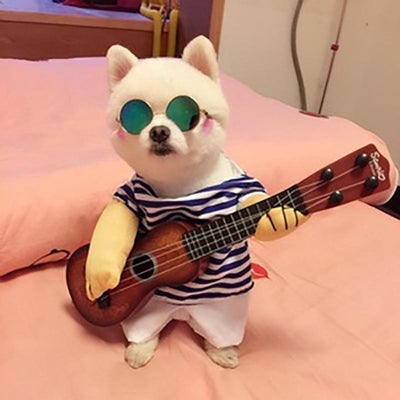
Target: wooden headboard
(33, 34)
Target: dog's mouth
(161, 149)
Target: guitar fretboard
(236, 227)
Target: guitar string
(190, 261)
(209, 234)
(162, 273)
(215, 230)
(234, 223)
(317, 185)
(321, 199)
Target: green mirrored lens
(184, 111)
(135, 115)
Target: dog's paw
(139, 354)
(227, 357)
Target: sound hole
(143, 266)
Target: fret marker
(362, 160)
(336, 197)
(327, 174)
(371, 183)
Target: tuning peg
(327, 174)
(362, 160)
(371, 183)
(336, 197)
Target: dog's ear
(119, 62)
(200, 54)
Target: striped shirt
(229, 270)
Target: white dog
(168, 117)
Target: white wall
(365, 83)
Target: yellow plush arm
(111, 244)
(274, 227)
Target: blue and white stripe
(229, 271)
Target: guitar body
(147, 269)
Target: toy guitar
(174, 253)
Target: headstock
(359, 174)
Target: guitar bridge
(104, 300)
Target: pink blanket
(326, 325)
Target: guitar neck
(359, 174)
(238, 226)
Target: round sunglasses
(136, 114)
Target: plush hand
(278, 222)
(109, 249)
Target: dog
(168, 119)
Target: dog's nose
(160, 133)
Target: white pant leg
(221, 322)
(149, 321)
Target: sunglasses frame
(118, 119)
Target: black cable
(63, 254)
(334, 48)
(293, 37)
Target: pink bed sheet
(325, 325)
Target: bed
(323, 322)
(57, 31)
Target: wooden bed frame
(33, 35)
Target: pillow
(58, 170)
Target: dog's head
(168, 116)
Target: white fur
(157, 81)
(197, 159)
(177, 138)
(139, 354)
(200, 54)
(120, 61)
(226, 357)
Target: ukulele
(176, 252)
